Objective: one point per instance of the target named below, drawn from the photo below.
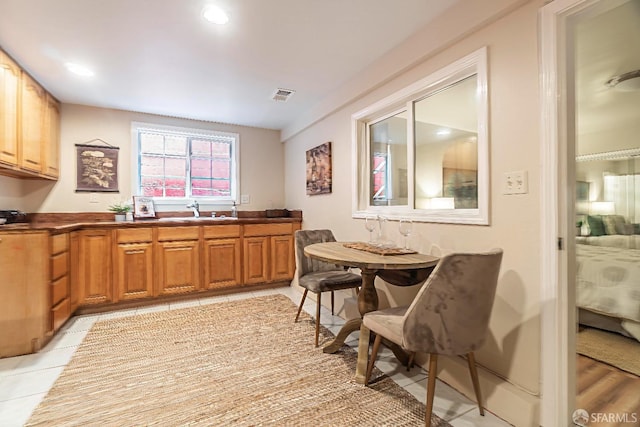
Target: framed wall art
(143, 207)
(96, 167)
(319, 169)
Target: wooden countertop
(67, 226)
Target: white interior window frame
(474, 63)
(171, 203)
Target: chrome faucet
(196, 208)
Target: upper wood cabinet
(51, 141)
(9, 89)
(32, 112)
(29, 125)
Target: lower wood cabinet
(133, 263)
(45, 277)
(95, 284)
(222, 256)
(24, 294)
(268, 252)
(178, 260)
(256, 259)
(111, 265)
(60, 300)
(282, 257)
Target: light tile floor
(25, 380)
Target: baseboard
(502, 398)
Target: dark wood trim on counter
(71, 221)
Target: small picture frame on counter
(143, 207)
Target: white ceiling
(161, 57)
(607, 45)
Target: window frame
(474, 63)
(172, 202)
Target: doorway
(574, 89)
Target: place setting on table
(380, 245)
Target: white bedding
(608, 282)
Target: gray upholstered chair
(319, 276)
(449, 315)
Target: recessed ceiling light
(215, 15)
(443, 132)
(80, 70)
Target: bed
(608, 288)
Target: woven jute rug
(241, 363)
(610, 348)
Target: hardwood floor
(609, 395)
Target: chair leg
(332, 299)
(372, 359)
(431, 387)
(471, 360)
(412, 356)
(318, 317)
(304, 295)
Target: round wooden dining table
(405, 269)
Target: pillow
(596, 225)
(621, 224)
(628, 229)
(609, 224)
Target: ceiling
(606, 45)
(161, 57)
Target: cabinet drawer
(220, 231)
(60, 313)
(135, 235)
(177, 233)
(59, 290)
(59, 265)
(267, 229)
(59, 243)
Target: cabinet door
(177, 266)
(256, 261)
(222, 263)
(9, 88)
(24, 302)
(59, 276)
(32, 124)
(134, 271)
(74, 270)
(282, 258)
(51, 150)
(95, 268)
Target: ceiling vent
(282, 95)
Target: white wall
(261, 165)
(511, 356)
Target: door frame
(557, 218)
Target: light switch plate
(93, 197)
(515, 183)
(245, 199)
